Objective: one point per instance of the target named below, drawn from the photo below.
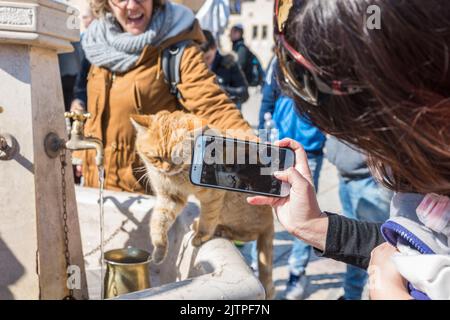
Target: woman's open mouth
(135, 19)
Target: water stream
(101, 179)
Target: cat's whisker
(147, 181)
(142, 178)
(140, 169)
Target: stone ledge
(42, 23)
(37, 40)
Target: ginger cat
(164, 142)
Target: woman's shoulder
(193, 35)
(189, 39)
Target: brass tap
(77, 139)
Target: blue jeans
(301, 252)
(363, 200)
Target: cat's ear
(140, 122)
(197, 126)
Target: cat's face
(164, 141)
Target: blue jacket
(292, 125)
(289, 123)
(270, 93)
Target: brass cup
(127, 271)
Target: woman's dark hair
(402, 119)
(210, 42)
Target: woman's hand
(299, 213)
(385, 282)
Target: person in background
(291, 124)
(75, 94)
(229, 74)
(270, 92)
(237, 38)
(247, 60)
(69, 66)
(79, 101)
(362, 198)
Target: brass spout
(77, 139)
(81, 143)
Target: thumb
(261, 201)
(297, 181)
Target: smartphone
(241, 166)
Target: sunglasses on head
(305, 80)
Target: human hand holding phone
(301, 207)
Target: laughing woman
(125, 46)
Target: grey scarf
(106, 45)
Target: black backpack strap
(171, 61)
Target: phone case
(231, 189)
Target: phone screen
(241, 165)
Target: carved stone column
(32, 263)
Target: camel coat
(112, 98)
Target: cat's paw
(159, 254)
(197, 241)
(200, 239)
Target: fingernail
(277, 173)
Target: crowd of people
(374, 103)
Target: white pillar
(32, 264)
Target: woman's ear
(140, 122)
